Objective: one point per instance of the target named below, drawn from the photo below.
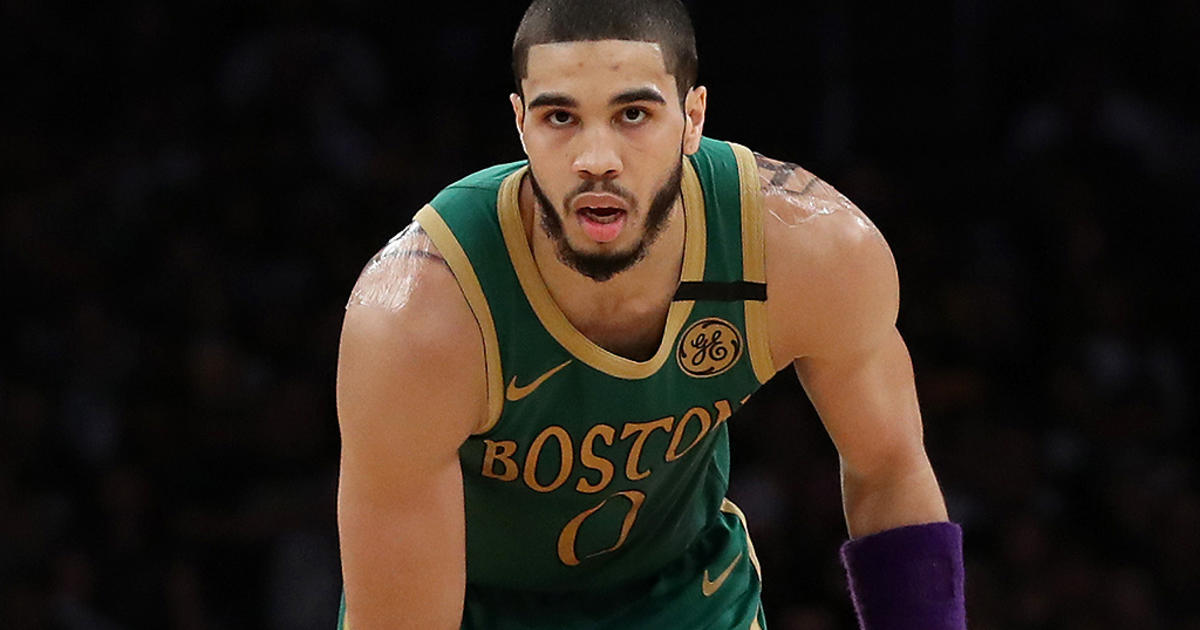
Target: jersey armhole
(468, 282)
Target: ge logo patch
(709, 347)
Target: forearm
(891, 497)
(904, 565)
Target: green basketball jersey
(594, 472)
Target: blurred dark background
(190, 189)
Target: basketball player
(536, 377)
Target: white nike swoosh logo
(708, 586)
(515, 392)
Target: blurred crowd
(190, 189)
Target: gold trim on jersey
(464, 273)
(754, 266)
(728, 507)
(552, 317)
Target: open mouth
(602, 224)
(602, 215)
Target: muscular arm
(868, 405)
(410, 389)
(833, 302)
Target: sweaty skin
(390, 278)
(795, 196)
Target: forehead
(609, 63)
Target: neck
(644, 288)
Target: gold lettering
(705, 424)
(723, 411)
(535, 450)
(566, 539)
(502, 452)
(588, 458)
(644, 429)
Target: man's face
(605, 135)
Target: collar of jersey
(552, 317)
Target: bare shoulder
(389, 279)
(830, 273)
(410, 350)
(806, 215)
(407, 293)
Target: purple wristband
(908, 578)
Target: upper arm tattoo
(391, 276)
(795, 196)
(783, 177)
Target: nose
(597, 157)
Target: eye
(560, 118)
(634, 115)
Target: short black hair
(664, 22)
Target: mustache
(600, 185)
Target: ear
(518, 106)
(694, 106)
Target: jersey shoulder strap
(462, 218)
(736, 266)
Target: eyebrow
(639, 94)
(553, 99)
(558, 99)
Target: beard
(603, 266)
